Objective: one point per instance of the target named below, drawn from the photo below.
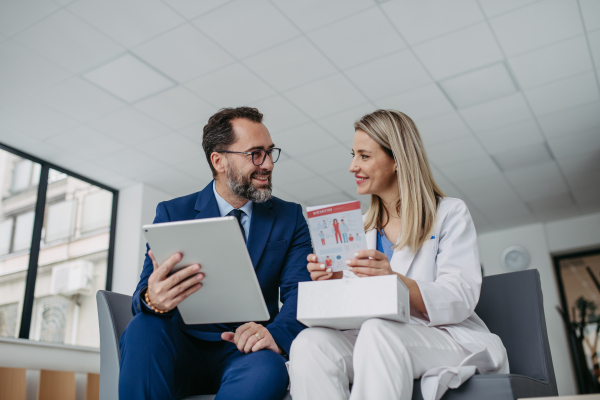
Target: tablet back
(230, 291)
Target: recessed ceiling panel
(523, 157)
(129, 79)
(479, 86)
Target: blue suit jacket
(278, 244)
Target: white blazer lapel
(402, 260)
(371, 238)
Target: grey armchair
(510, 305)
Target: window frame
(38, 223)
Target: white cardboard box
(347, 303)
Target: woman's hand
(377, 264)
(319, 271)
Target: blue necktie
(238, 214)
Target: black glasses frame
(268, 152)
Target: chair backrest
(511, 305)
(114, 313)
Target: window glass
(96, 211)
(18, 195)
(72, 262)
(6, 229)
(60, 221)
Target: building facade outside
(72, 264)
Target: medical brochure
(337, 232)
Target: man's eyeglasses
(259, 156)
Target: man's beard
(243, 187)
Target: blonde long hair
(419, 195)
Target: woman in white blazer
(429, 241)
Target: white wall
(541, 240)
(137, 206)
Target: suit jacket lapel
(206, 203)
(260, 229)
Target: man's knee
(147, 330)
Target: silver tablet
(230, 291)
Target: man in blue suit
(161, 357)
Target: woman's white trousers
(381, 362)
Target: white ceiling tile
(442, 129)
(572, 121)
(25, 143)
(169, 179)
(551, 203)
(560, 60)
(328, 159)
(357, 39)
(567, 93)
(495, 7)
(69, 42)
(496, 113)
(516, 136)
(424, 102)
(171, 148)
(230, 86)
(326, 96)
(129, 78)
(279, 114)
(422, 20)
(458, 52)
(129, 22)
(590, 9)
(522, 157)
(261, 26)
(35, 119)
(471, 169)
(100, 174)
(194, 132)
(79, 100)
(341, 125)
(194, 8)
(575, 144)
(301, 139)
(290, 64)
(23, 73)
(85, 142)
(492, 190)
(389, 75)
(306, 189)
(19, 14)
(183, 53)
(312, 14)
(455, 151)
(537, 25)
(344, 179)
(197, 167)
(129, 126)
(130, 163)
(580, 164)
(538, 181)
(290, 171)
(594, 38)
(176, 108)
(583, 183)
(559, 212)
(483, 84)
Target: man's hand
(166, 292)
(246, 339)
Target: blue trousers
(161, 361)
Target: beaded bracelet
(156, 310)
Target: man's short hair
(218, 132)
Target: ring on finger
(258, 336)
